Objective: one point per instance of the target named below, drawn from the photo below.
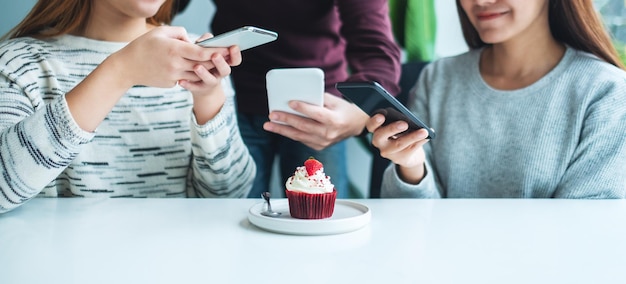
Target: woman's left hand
(207, 93)
(403, 149)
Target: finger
(234, 56)
(208, 65)
(205, 75)
(422, 133)
(315, 112)
(402, 153)
(298, 122)
(198, 53)
(294, 134)
(384, 134)
(375, 122)
(189, 76)
(206, 78)
(410, 139)
(399, 143)
(192, 86)
(222, 69)
(204, 36)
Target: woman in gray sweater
(536, 109)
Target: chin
(491, 38)
(488, 41)
(150, 8)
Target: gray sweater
(148, 146)
(562, 137)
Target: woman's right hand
(161, 58)
(404, 150)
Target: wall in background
(13, 12)
(449, 39)
(196, 17)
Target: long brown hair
(50, 18)
(573, 22)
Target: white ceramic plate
(348, 216)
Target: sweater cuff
(62, 119)
(214, 124)
(393, 186)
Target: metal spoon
(269, 213)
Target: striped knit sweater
(148, 146)
(562, 137)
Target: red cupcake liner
(311, 206)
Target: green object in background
(621, 50)
(414, 25)
(613, 14)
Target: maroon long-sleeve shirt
(348, 39)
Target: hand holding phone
(287, 84)
(245, 37)
(372, 98)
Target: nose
(484, 2)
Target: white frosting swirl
(302, 182)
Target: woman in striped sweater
(103, 99)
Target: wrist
(207, 106)
(411, 175)
(363, 133)
(363, 118)
(115, 68)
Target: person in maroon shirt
(350, 40)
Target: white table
(407, 241)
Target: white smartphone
(245, 37)
(287, 84)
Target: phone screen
(372, 98)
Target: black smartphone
(372, 98)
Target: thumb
(204, 36)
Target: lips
(485, 16)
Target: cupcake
(310, 193)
